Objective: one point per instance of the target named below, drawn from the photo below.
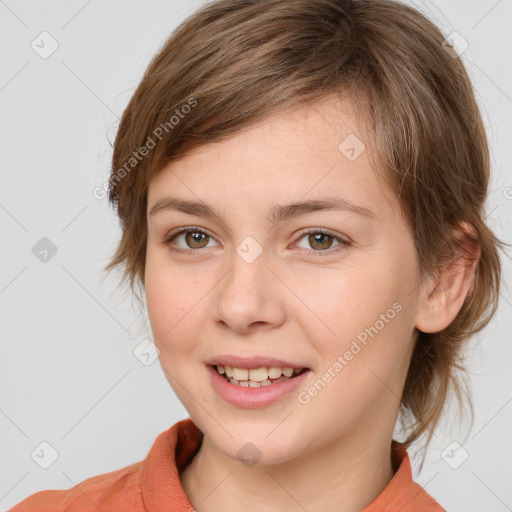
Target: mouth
(256, 381)
(257, 377)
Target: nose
(250, 297)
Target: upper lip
(251, 362)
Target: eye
(194, 236)
(321, 240)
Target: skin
(292, 305)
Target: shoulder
(139, 487)
(117, 491)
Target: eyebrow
(275, 214)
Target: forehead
(309, 152)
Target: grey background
(68, 372)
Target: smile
(257, 377)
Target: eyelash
(196, 229)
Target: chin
(254, 446)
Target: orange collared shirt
(153, 484)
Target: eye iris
(319, 238)
(194, 237)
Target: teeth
(258, 374)
(240, 373)
(274, 372)
(250, 383)
(244, 383)
(287, 372)
(254, 377)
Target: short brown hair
(237, 62)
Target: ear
(443, 294)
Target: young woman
(301, 189)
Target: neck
(346, 475)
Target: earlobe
(444, 293)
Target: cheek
(368, 310)
(173, 298)
(371, 310)
(173, 304)
(350, 303)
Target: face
(332, 290)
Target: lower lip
(250, 398)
